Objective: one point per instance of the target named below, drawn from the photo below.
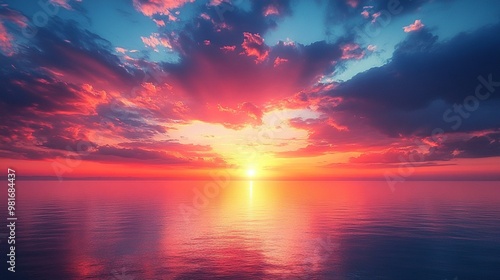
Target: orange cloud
(253, 45)
(417, 25)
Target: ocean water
(254, 230)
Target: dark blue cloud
(424, 79)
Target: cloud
(390, 156)
(371, 48)
(161, 7)
(353, 3)
(67, 88)
(71, 84)
(375, 16)
(7, 14)
(224, 74)
(347, 12)
(159, 22)
(423, 80)
(62, 3)
(271, 10)
(481, 146)
(352, 51)
(76, 56)
(463, 146)
(228, 48)
(155, 40)
(215, 75)
(5, 41)
(417, 25)
(121, 50)
(112, 154)
(253, 45)
(79, 64)
(278, 61)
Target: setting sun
(251, 172)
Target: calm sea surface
(254, 230)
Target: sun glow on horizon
(251, 172)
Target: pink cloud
(14, 16)
(393, 155)
(371, 48)
(311, 150)
(353, 3)
(205, 16)
(155, 40)
(230, 78)
(228, 48)
(253, 45)
(278, 61)
(365, 14)
(221, 26)
(207, 42)
(252, 111)
(417, 25)
(62, 3)
(159, 22)
(375, 16)
(85, 68)
(5, 41)
(234, 117)
(120, 50)
(289, 43)
(271, 10)
(352, 51)
(162, 7)
(215, 2)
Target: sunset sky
(346, 89)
